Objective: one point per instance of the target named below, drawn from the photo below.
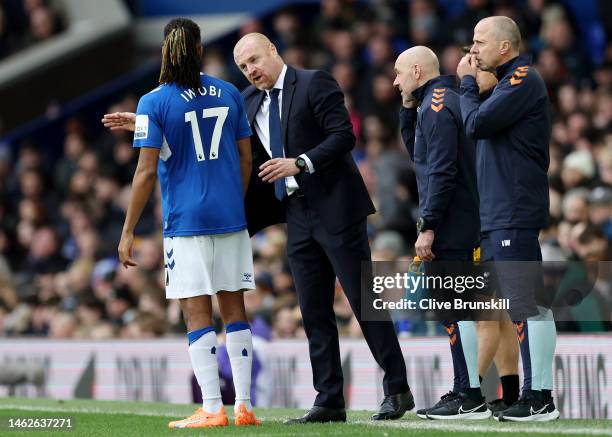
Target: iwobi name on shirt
(211, 90)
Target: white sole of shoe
(483, 415)
(422, 416)
(533, 418)
(549, 417)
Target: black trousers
(316, 258)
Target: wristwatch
(301, 164)
(423, 225)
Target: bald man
(302, 146)
(448, 226)
(513, 129)
(497, 334)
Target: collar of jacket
(436, 82)
(505, 68)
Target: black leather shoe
(320, 415)
(394, 406)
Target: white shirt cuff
(308, 163)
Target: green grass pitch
(110, 418)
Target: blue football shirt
(199, 164)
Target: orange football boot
(202, 419)
(244, 417)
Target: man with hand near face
(497, 337)
(448, 225)
(513, 130)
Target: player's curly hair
(181, 61)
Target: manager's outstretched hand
(120, 121)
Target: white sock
(203, 353)
(542, 338)
(240, 350)
(547, 369)
(469, 344)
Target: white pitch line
(84, 410)
(481, 427)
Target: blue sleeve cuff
(469, 81)
(244, 134)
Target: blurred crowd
(60, 224)
(24, 23)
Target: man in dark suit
(305, 173)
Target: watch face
(301, 163)
(420, 223)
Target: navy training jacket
(444, 161)
(513, 129)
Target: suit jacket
(315, 122)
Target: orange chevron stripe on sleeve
(439, 90)
(438, 95)
(514, 81)
(437, 100)
(453, 339)
(437, 108)
(523, 68)
(520, 74)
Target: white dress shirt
(262, 127)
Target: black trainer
(422, 413)
(551, 412)
(529, 408)
(497, 405)
(461, 407)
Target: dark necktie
(276, 142)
